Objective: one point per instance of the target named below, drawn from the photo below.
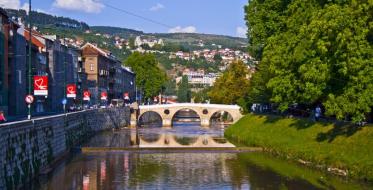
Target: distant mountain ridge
(44, 19)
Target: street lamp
(29, 62)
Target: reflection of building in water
(180, 170)
(170, 140)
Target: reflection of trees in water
(146, 171)
(150, 119)
(186, 140)
(220, 140)
(264, 171)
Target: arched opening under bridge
(186, 117)
(221, 118)
(150, 119)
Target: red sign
(87, 95)
(103, 96)
(71, 91)
(40, 85)
(126, 96)
(29, 99)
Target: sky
(225, 17)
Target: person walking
(317, 113)
(2, 117)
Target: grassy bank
(326, 145)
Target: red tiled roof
(34, 40)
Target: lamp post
(29, 59)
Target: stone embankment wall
(29, 147)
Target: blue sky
(203, 16)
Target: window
(91, 66)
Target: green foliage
(232, 86)
(43, 19)
(340, 146)
(149, 77)
(170, 88)
(183, 93)
(313, 52)
(201, 96)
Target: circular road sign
(29, 99)
(64, 101)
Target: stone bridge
(204, 111)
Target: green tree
(131, 43)
(217, 58)
(232, 86)
(321, 52)
(170, 87)
(149, 77)
(184, 93)
(201, 96)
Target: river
(199, 169)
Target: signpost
(71, 91)
(41, 85)
(103, 96)
(86, 95)
(126, 96)
(29, 99)
(64, 102)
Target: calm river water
(182, 170)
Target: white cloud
(241, 32)
(157, 7)
(10, 4)
(89, 6)
(14, 4)
(179, 29)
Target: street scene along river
(184, 156)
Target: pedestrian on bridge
(2, 117)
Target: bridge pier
(205, 122)
(167, 122)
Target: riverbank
(339, 148)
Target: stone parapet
(26, 147)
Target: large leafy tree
(149, 77)
(232, 86)
(322, 54)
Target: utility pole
(29, 59)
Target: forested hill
(122, 32)
(43, 19)
(190, 40)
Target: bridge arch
(221, 117)
(150, 117)
(204, 111)
(193, 114)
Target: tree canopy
(149, 77)
(232, 86)
(313, 52)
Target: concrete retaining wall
(28, 147)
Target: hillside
(199, 51)
(42, 19)
(190, 40)
(116, 31)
